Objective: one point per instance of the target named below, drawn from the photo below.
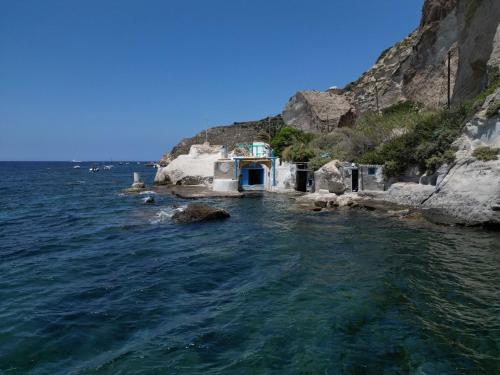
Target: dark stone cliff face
(229, 136)
(414, 69)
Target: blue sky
(127, 79)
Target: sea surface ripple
(93, 281)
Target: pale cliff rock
(329, 178)
(414, 69)
(318, 112)
(195, 168)
(470, 192)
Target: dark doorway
(301, 181)
(255, 176)
(355, 180)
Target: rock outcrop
(318, 112)
(466, 192)
(470, 192)
(415, 69)
(195, 168)
(197, 212)
(329, 178)
(229, 136)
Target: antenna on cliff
(206, 130)
(269, 128)
(449, 80)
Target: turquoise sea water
(95, 282)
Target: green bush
(427, 145)
(485, 153)
(298, 152)
(493, 109)
(435, 161)
(287, 137)
(392, 168)
(472, 106)
(317, 162)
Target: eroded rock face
(195, 168)
(329, 178)
(230, 136)
(469, 194)
(414, 69)
(318, 112)
(197, 212)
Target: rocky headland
(456, 50)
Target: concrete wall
(365, 180)
(371, 182)
(224, 169)
(285, 176)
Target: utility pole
(449, 80)
(269, 128)
(376, 95)
(206, 130)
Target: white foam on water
(147, 192)
(165, 214)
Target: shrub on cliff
(493, 110)
(298, 152)
(287, 137)
(427, 145)
(318, 161)
(485, 153)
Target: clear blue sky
(127, 79)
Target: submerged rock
(199, 212)
(149, 200)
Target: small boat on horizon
(94, 169)
(108, 167)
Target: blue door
(252, 174)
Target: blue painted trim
(274, 171)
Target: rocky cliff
(229, 136)
(414, 69)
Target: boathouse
(359, 177)
(252, 168)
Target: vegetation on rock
(493, 109)
(287, 137)
(298, 152)
(485, 153)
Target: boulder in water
(197, 212)
(149, 200)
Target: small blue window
(372, 171)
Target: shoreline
(381, 202)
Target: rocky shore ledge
(443, 206)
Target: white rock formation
(195, 168)
(328, 177)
